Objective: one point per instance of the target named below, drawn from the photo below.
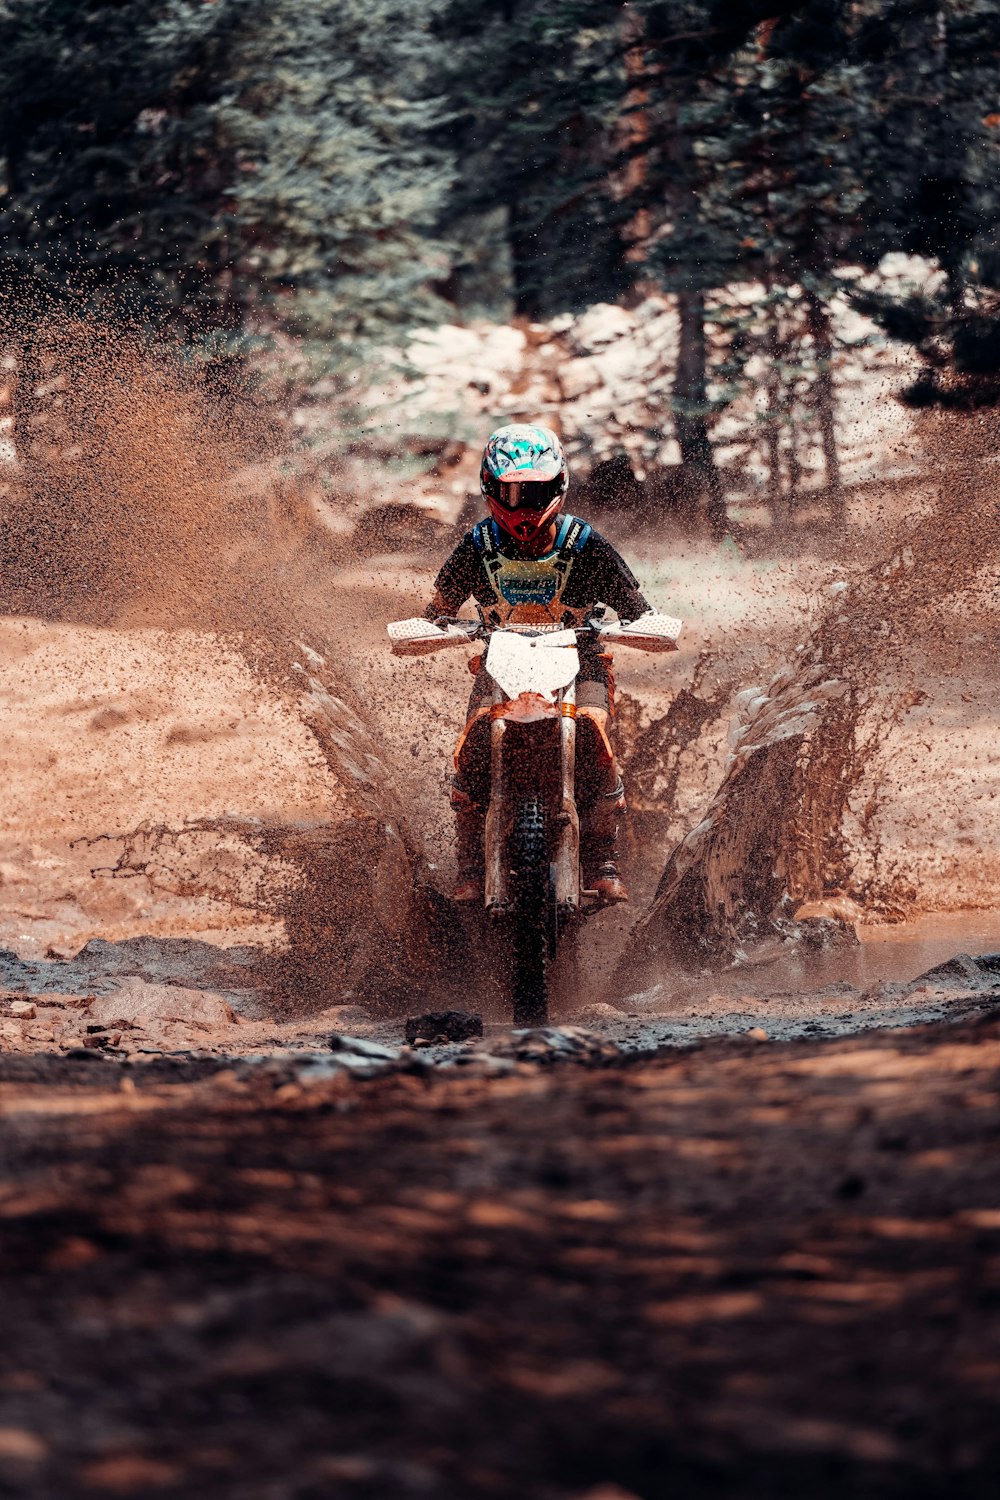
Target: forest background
(293, 185)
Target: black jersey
(581, 571)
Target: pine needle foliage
(344, 168)
(337, 185)
(206, 161)
(536, 89)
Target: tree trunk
(691, 417)
(523, 243)
(634, 132)
(824, 398)
(778, 499)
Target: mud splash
(148, 512)
(860, 775)
(145, 508)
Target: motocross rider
(526, 563)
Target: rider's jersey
(563, 587)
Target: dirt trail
(738, 1272)
(167, 728)
(171, 661)
(254, 1248)
(183, 585)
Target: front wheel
(530, 915)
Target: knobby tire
(529, 935)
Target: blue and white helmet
(524, 478)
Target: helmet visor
(528, 494)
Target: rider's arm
(456, 580)
(610, 579)
(437, 607)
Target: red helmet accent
(525, 523)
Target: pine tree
(206, 160)
(113, 176)
(329, 117)
(689, 248)
(926, 79)
(755, 187)
(785, 186)
(536, 89)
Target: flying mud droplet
(858, 776)
(144, 512)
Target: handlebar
(478, 630)
(417, 637)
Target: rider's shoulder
(575, 534)
(481, 536)
(595, 541)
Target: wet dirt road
(739, 1270)
(230, 1266)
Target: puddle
(910, 948)
(100, 966)
(830, 993)
(897, 953)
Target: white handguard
(650, 632)
(419, 637)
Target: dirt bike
(533, 889)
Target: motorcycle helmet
(524, 478)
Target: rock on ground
(138, 1000)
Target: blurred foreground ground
(740, 1270)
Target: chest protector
(529, 590)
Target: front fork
(564, 820)
(566, 841)
(497, 818)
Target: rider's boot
(469, 825)
(599, 841)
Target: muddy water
(844, 989)
(897, 953)
(905, 950)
